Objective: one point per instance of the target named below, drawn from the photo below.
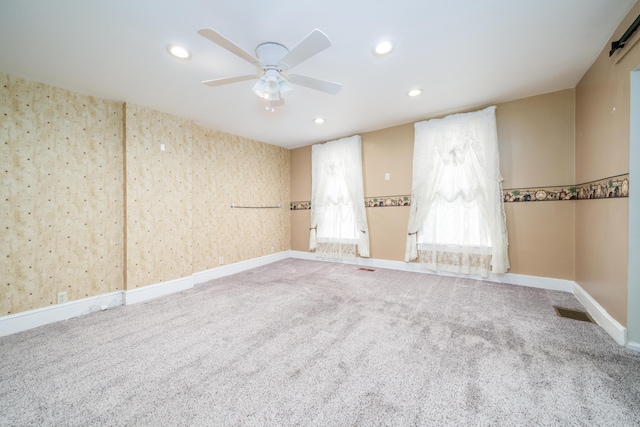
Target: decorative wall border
(606, 188)
(387, 201)
(369, 202)
(539, 194)
(300, 206)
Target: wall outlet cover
(62, 297)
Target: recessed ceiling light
(178, 52)
(318, 120)
(383, 48)
(414, 92)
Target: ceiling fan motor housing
(270, 54)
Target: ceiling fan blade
(224, 42)
(317, 84)
(227, 80)
(313, 44)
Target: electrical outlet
(221, 260)
(387, 176)
(273, 249)
(62, 297)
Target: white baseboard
(549, 283)
(145, 293)
(54, 313)
(635, 346)
(157, 290)
(227, 270)
(42, 316)
(600, 315)
(509, 278)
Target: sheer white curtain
(338, 217)
(457, 221)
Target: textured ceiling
(462, 53)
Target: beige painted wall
(536, 148)
(75, 166)
(541, 238)
(536, 143)
(301, 171)
(61, 194)
(602, 150)
(388, 151)
(536, 137)
(601, 253)
(300, 192)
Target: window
(457, 220)
(338, 219)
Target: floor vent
(573, 314)
(366, 269)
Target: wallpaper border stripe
(605, 188)
(613, 187)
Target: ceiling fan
(273, 62)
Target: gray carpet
(319, 344)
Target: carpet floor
(306, 343)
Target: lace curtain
(457, 221)
(338, 218)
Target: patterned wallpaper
(179, 216)
(74, 166)
(228, 170)
(158, 188)
(61, 194)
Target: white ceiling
(462, 53)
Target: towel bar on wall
(233, 206)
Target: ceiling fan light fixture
(259, 88)
(318, 120)
(271, 85)
(272, 96)
(285, 88)
(414, 92)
